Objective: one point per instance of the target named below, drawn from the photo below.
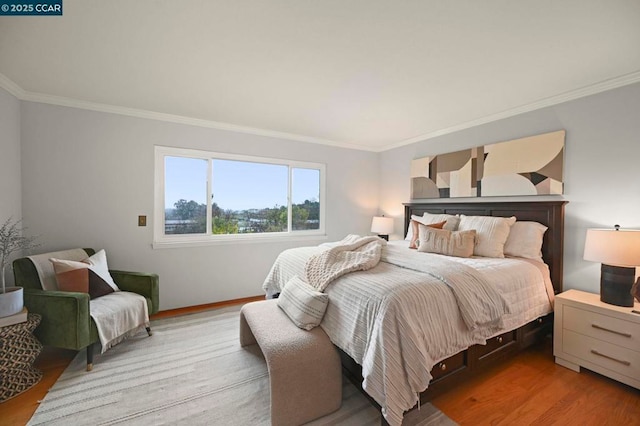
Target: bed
(400, 327)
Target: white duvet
(398, 322)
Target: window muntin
(205, 197)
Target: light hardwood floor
(528, 390)
(531, 389)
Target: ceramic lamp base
(615, 285)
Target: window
(204, 197)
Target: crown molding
(179, 119)
(11, 87)
(592, 89)
(24, 95)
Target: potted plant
(11, 241)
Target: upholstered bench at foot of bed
(304, 367)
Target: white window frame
(161, 240)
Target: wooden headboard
(548, 213)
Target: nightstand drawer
(615, 358)
(602, 327)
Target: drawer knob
(499, 339)
(442, 366)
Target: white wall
(88, 175)
(10, 181)
(602, 153)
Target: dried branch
(11, 241)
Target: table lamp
(382, 226)
(619, 252)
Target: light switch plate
(142, 220)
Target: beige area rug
(192, 371)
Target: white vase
(11, 302)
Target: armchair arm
(65, 317)
(144, 284)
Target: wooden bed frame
(468, 363)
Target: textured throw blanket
(118, 315)
(45, 268)
(353, 253)
(396, 321)
(479, 302)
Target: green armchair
(66, 322)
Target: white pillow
(429, 219)
(99, 265)
(525, 240)
(491, 233)
(303, 304)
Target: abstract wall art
(527, 166)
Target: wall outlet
(142, 221)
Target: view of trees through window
(246, 197)
(189, 217)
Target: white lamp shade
(611, 247)
(382, 225)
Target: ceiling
(367, 74)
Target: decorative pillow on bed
(79, 277)
(491, 233)
(303, 304)
(450, 243)
(451, 222)
(525, 240)
(413, 244)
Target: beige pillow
(303, 304)
(525, 240)
(450, 243)
(428, 218)
(413, 244)
(491, 233)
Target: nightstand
(595, 335)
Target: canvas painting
(527, 166)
